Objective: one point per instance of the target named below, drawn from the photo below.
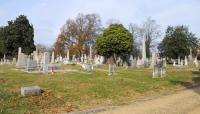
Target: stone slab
(31, 91)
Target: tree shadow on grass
(194, 85)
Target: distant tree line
(85, 30)
(18, 33)
(76, 35)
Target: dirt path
(182, 102)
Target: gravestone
(31, 91)
(14, 61)
(85, 58)
(179, 60)
(67, 54)
(52, 57)
(196, 62)
(174, 63)
(46, 59)
(35, 56)
(159, 70)
(111, 69)
(90, 57)
(134, 63)
(186, 61)
(140, 63)
(155, 71)
(31, 64)
(4, 59)
(153, 60)
(190, 57)
(144, 49)
(21, 61)
(1, 61)
(88, 67)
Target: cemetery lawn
(65, 92)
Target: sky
(48, 16)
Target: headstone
(165, 63)
(31, 64)
(35, 56)
(31, 91)
(21, 61)
(19, 50)
(144, 49)
(90, 53)
(82, 58)
(186, 61)
(52, 57)
(60, 58)
(159, 70)
(74, 58)
(196, 62)
(102, 59)
(1, 61)
(174, 63)
(14, 61)
(46, 59)
(8, 61)
(67, 54)
(4, 59)
(111, 69)
(153, 59)
(140, 63)
(88, 67)
(85, 58)
(134, 63)
(179, 60)
(155, 71)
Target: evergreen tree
(18, 33)
(177, 42)
(115, 40)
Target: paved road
(182, 102)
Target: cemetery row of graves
(70, 84)
(74, 89)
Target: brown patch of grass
(2, 80)
(57, 109)
(39, 100)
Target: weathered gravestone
(186, 61)
(139, 63)
(52, 57)
(31, 64)
(87, 67)
(21, 61)
(111, 69)
(46, 59)
(14, 61)
(159, 70)
(31, 91)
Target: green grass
(78, 91)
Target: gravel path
(182, 102)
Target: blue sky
(47, 16)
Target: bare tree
(150, 30)
(59, 46)
(81, 32)
(135, 30)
